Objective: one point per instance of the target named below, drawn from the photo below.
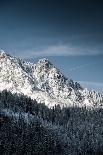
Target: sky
(67, 32)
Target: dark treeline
(69, 131)
(19, 138)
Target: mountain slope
(44, 82)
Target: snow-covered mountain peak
(44, 82)
(48, 68)
(3, 53)
(45, 63)
(43, 60)
(7, 57)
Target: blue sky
(67, 32)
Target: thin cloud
(92, 83)
(97, 86)
(55, 50)
(63, 50)
(81, 66)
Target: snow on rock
(44, 82)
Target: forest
(29, 128)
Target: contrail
(81, 66)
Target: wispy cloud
(97, 86)
(67, 50)
(81, 66)
(61, 49)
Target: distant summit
(44, 82)
(3, 53)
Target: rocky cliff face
(44, 82)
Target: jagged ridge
(43, 82)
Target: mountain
(45, 83)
